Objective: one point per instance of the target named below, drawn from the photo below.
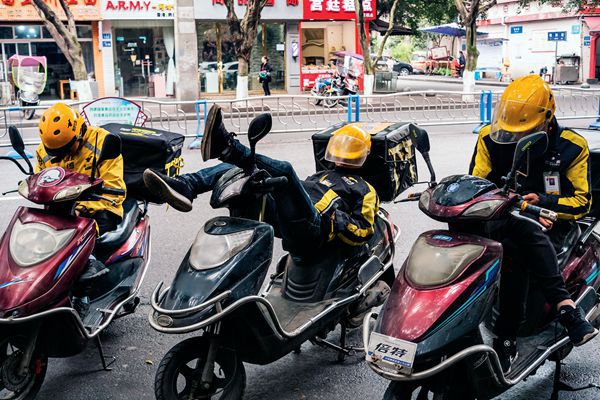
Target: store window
(28, 32)
(215, 45)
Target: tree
(65, 36)
(243, 34)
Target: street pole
(555, 62)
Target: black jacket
(347, 205)
(567, 156)
(267, 69)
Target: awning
(593, 23)
(452, 29)
(382, 27)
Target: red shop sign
(337, 9)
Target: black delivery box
(147, 148)
(391, 165)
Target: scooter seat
(114, 239)
(564, 240)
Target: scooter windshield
(459, 189)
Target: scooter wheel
(12, 385)
(399, 391)
(181, 369)
(28, 114)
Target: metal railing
(305, 113)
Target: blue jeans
(289, 209)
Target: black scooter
(215, 291)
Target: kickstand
(560, 386)
(103, 358)
(342, 350)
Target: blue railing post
(596, 123)
(485, 110)
(357, 105)
(201, 123)
(353, 102)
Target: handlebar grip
(114, 191)
(538, 211)
(414, 196)
(275, 182)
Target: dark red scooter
(42, 254)
(433, 333)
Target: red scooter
(433, 334)
(42, 254)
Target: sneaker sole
(586, 338)
(205, 144)
(157, 186)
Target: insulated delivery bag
(147, 148)
(391, 165)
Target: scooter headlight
(210, 251)
(233, 190)
(23, 189)
(32, 243)
(70, 193)
(430, 265)
(483, 209)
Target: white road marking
(11, 198)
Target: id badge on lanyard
(552, 177)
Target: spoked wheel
(180, 372)
(13, 385)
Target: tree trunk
(80, 72)
(242, 66)
(364, 42)
(472, 52)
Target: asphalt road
(313, 374)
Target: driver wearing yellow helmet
(334, 205)
(559, 181)
(68, 142)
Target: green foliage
(402, 51)
(411, 13)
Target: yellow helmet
(60, 126)
(349, 146)
(526, 106)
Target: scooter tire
(39, 364)
(399, 391)
(169, 370)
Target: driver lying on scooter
(558, 181)
(69, 143)
(330, 205)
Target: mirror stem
(432, 179)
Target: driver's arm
(481, 163)
(577, 203)
(356, 226)
(40, 153)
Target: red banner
(337, 9)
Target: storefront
(328, 37)
(277, 37)
(138, 46)
(22, 33)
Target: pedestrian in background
(264, 76)
(462, 62)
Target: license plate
(387, 351)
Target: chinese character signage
(22, 10)
(113, 110)
(336, 9)
(138, 9)
(274, 9)
(557, 36)
(515, 30)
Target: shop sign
(336, 9)
(106, 43)
(575, 29)
(515, 30)
(138, 9)
(274, 9)
(22, 10)
(586, 41)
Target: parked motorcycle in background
(342, 86)
(28, 74)
(322, 85)
(42, 255)
(433, 334)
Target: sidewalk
(482, 82)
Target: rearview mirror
(16, 141)
(532, 146)
(419, 138)
(259, 127)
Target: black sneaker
(506, 348)
(95, 269)
(81, 305)
(579, 329)
(216, 138)
(173, 191)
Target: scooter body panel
(29, 289)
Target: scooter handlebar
(536, 211)
(113, 191)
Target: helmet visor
(515, 119)
(346, 151)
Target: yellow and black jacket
(567, 156)
(110, 171)
(347, 205)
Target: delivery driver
(69, 143)
(558, 181)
